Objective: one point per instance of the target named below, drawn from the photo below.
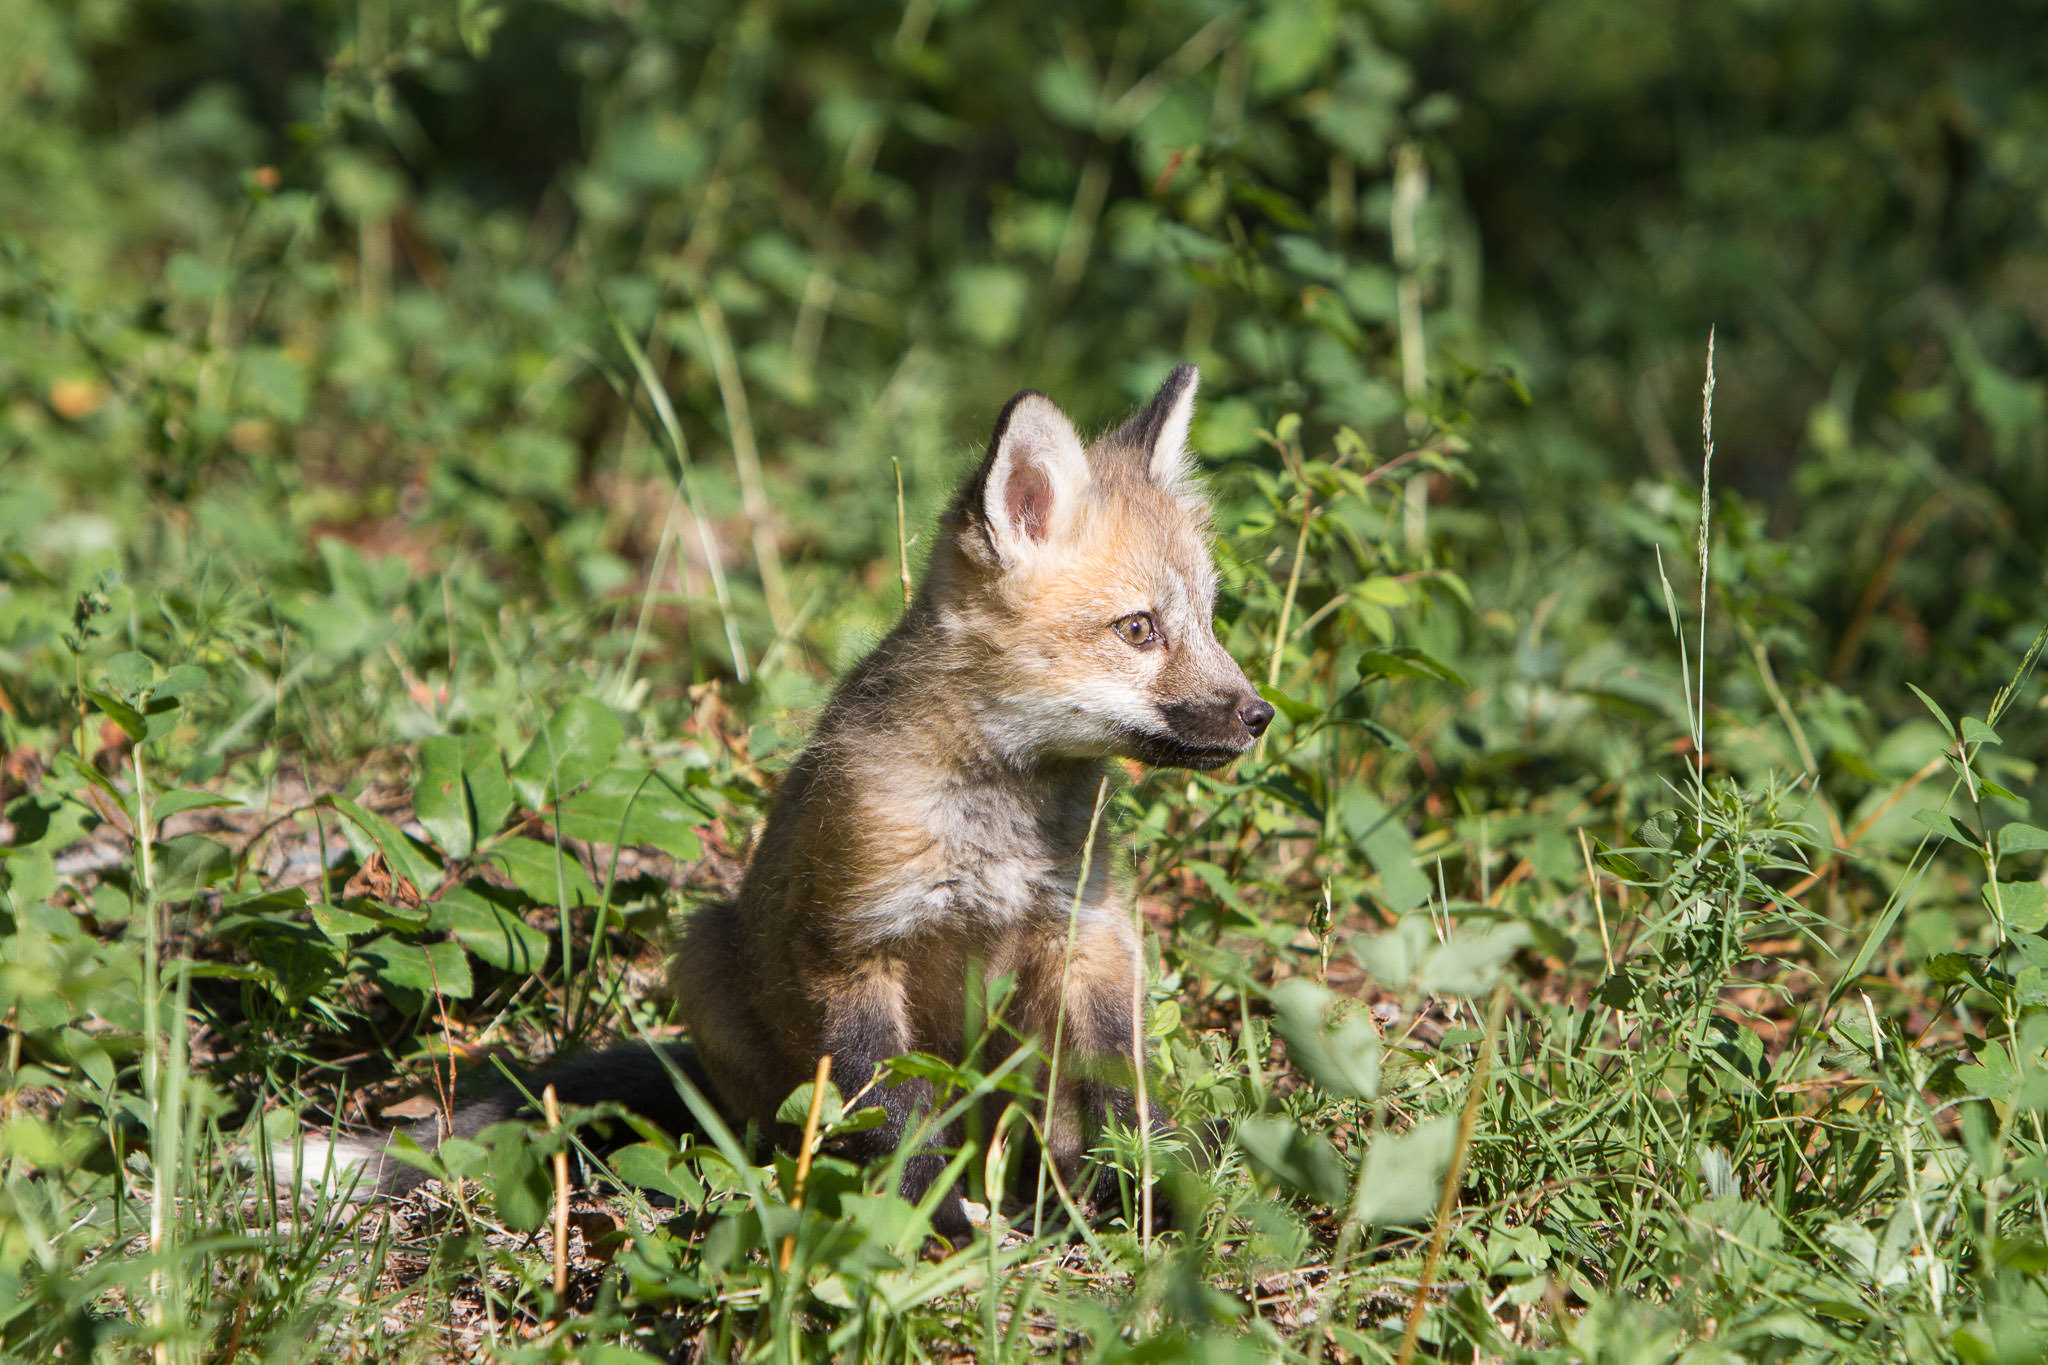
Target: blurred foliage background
(273, 270)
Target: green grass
(417, 562)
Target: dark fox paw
(950, 1223)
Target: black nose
(1256, 714)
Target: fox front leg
(1104, 1051)
(866, 1024)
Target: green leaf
(179, 681)
(1409, 663)
(1468, 964)
(429, 970)
(1289, 44)
(796, 1108)
(1297, 712)
(172, 803)
(1947, 725)
(121, 713)
(626, 807)
(1948, 827)
(2018, 838)
(1343, 1059)
(1404, 1173)
(2025, 905)
(493, 932)
(131, 671)
(574, 746)
(490, 791)
(1286, 1153)
(519, 1175)
(1392, 957)
(1977, 732)
(1947, 967)
(647, 1167)
(1385, 842)
(545, 874)
(440, 799)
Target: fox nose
(1256, 715)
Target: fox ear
(1033, 477)
(1160, 432)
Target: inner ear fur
(1033, 477)
(1160, 432)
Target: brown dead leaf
(604, 1233)
(377, 881)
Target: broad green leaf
(626, 807)
(547, 875)
(796, 1108)
(429, 970)
(1393, 956)
(2018, 838)
(1977, 732)
(1343, 1058)
(1947, 967)
(1404, 1173)
(121, 713)
(490, 791)
(519, 1176)
(1469, 963)
(131, 671)
(2025, 905)
(180, 680)
(574, 746)
(440, 798)
(1948, 827)
(1300, 1159)
(1384, 839)
(647, 1167)
(488, 929)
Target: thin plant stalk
(1139, 1083)
(1699, 717)
(902, 534)
(665, 414)
(164, 1144)
(1059, 1023)
(746, 460)
(1454, 1176)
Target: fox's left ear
(1160, 432)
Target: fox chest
(974, 879)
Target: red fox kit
(937, 824)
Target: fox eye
(1137, 630)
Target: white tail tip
(339, 1168)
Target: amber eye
(1136, 630)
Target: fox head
(1075, 585)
